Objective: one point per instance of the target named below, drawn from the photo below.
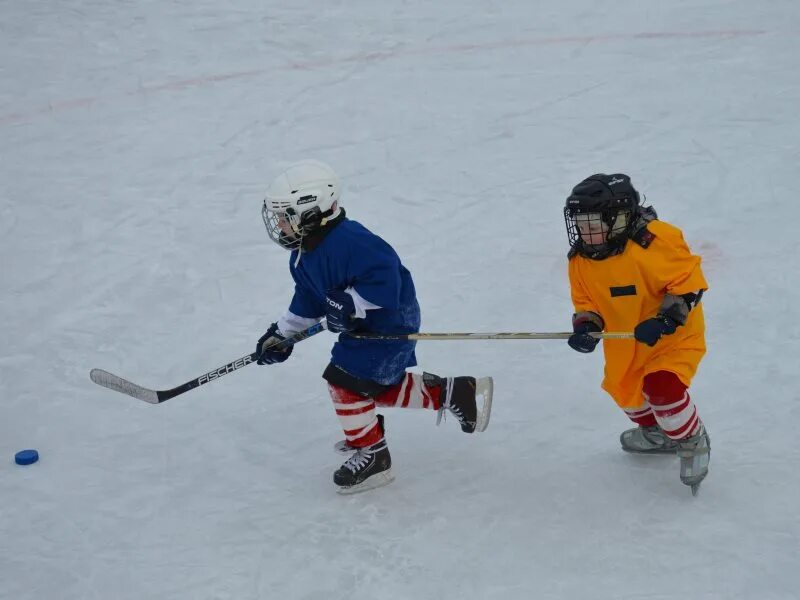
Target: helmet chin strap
(299, 251)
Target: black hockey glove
(581, 340)
(341, 312)
(650, 331)
(267, 355)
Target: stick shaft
(520, 335)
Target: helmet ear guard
(309, 220)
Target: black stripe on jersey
(625, 290)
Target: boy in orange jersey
(630, 271)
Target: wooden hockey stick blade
(613, 335)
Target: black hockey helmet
(600, 214)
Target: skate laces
(655, 435)
(440, 414)
(361, 457)
(358, 460)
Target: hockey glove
(581, 340)
(341, 312)
(267, 355)
(650, 331)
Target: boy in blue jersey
(354, 279)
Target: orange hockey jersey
(628, 288)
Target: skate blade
(694, 483)
(674, 451)
(376, 481)
(484, 388)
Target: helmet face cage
(280, 228)
(287, 228)
(598, 233)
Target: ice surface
(136, 139)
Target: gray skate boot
(695, 453)
(647, 440)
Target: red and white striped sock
(357, 416)
(411, 392)
(672, 406)
(643, 415)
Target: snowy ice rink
(136, 140)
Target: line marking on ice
(56, 106)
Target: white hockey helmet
(303, 198)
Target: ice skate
(695, 453)
(366, 469)
(468, 398)
(647, 440)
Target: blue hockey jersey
(351, 255)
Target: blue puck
(26, 457)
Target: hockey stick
(615, 335)
(118, 384)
